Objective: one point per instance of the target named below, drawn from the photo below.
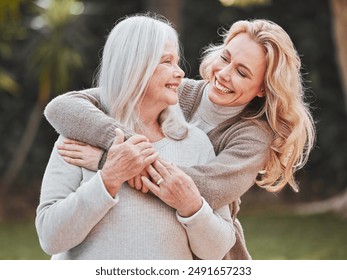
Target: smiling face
(162, 88)
(238, 73)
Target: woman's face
(162, 88)
(238, 73)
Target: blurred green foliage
(307, 22)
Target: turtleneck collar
(209, 115)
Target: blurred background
(48, 47)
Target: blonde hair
(131, 54)
(284, 107)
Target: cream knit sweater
(78, 219)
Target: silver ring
(160, 181)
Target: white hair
(131, 54)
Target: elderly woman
(93, 215)
(251, 105)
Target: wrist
(191, 208)
(112, 186)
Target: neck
(152, 129)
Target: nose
(178, 73)
(225, 73)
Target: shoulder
(75, 97)
(199, 144)
(190, 93)
(195, 149)
(57, 165)
(91, 94)
(247, 141)
(254, 129)
(196, 135)
(252, 132)
(190, 85)
(92, 91)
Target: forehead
(245, 48)
(170, 48)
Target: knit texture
(78, 219)
(241, 145)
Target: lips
(222, 88)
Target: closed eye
(243, 75)
(167, 61)
(224, 58)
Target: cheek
(215, 67)
(243, 84)
(239, 83)
(250, 93)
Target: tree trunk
(23, 148)
(169, 8)
(336, 204)
(339, 17)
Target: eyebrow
(171, 56)
(166, 55)
(240, 64)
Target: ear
(261, 92)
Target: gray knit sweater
(78, 219)
(241, 145)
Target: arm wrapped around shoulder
(79, 115)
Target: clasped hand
(136, 162)
(174, 187)
(125, 159)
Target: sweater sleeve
(211, 233)
(80, 115)
(233, 171)
(68, 210)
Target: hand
(176, 188)
(80, 154)
(125, 160)
(136, 182)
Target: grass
(281, 236)
(20, 242)
(269, 235)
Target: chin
(173, 100)
(173, 103)
(220, 99)
(215, 98)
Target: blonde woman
(251, 105)
(85, 214)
